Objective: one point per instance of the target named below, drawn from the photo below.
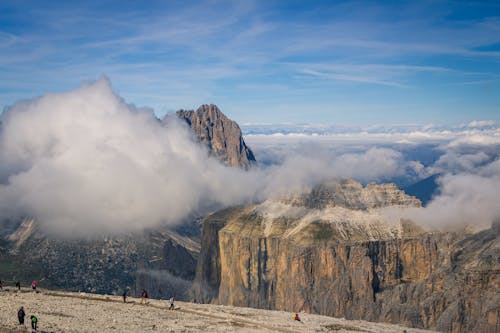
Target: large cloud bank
(469, 185)
(85, 163)
(467, 158)
(464, 200)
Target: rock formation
(160, 261)
(219, 134)
(332, 251)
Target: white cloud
(453, 161)
(374, 164)
(468, 160)
(481, 123)
(86, 163)
(465, 200)
(477, 139)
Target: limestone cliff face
(219, 134)
(350, 264)
(208, 269)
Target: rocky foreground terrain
(79, 312)
(333, 251)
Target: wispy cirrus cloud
(352, 77)
(216, 49)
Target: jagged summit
(350, 194)
(221, 135)
(339, 211)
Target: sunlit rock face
(219, 134)
(332, 251)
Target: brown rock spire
(221, 135)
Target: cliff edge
(333, 252)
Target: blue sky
(351, 62)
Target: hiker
(18, 285)
(1, 286)
(34, 322)
(144, 295)
(20, 315)
(296, 318)
(171, 303)
(33, 285)
(125, 296)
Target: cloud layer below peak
(86, 163)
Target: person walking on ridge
(34, 322)
(20, 315)
(33, 285)
(144, 296)
(18, 285)
(172, 307)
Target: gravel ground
(80, 312)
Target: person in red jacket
(144, 295)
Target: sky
(271, 62)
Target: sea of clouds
(465, 157)
(84, 163)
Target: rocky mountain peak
(219, 134)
